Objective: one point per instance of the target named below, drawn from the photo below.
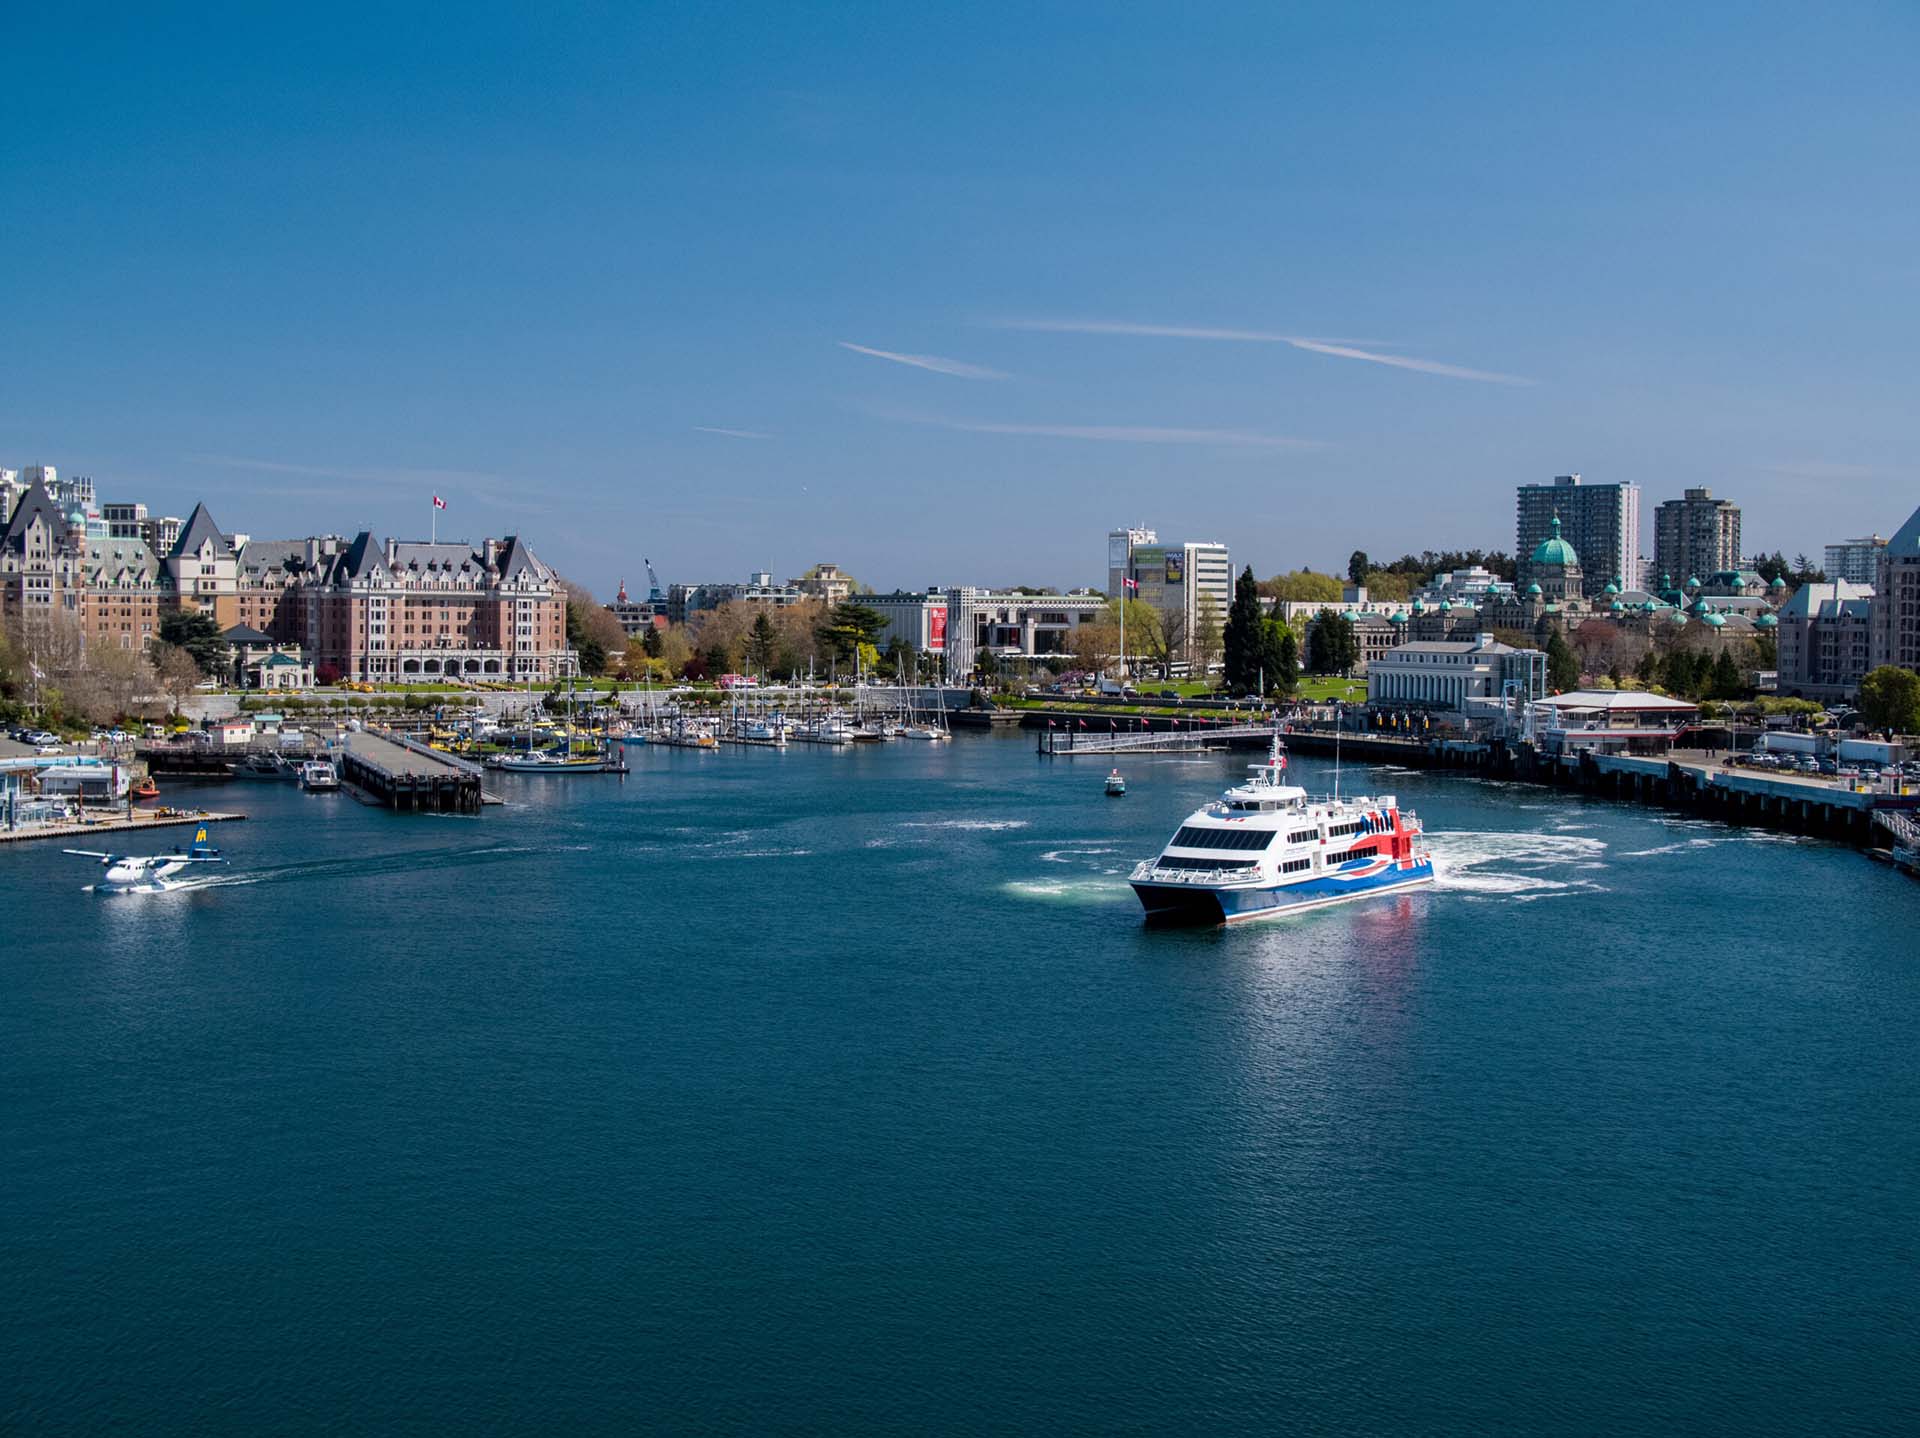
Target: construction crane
(655, 594)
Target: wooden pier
(1081, 738)
(406, 775)
(108, 823)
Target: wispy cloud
(1339, 349)
(937, 363)
(730, 433)
(498, 491)
(1126, 433)
(1823, 469)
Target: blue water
(842, 1092)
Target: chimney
(393, 552)
(490, 552)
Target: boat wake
(1492, 865)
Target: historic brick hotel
(372, 610)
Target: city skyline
(752, 291)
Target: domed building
(1555, 567)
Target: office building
(1455, 677)
(1182, 579)
(1696, 535)
(1855, 560)
(686, 599)
(1120, 544)
(124, 521)
(1600, 521)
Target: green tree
(1890, 699)
(650, 642)
(1680, 672)
(197, 632)
(1303, 586)
(762, 640)
(1563, 670)
(1648, 670)
(719, 660)
(1726, 682)
(1332, 646)
(1242, 636)
(1279, 657)
(1357, 566)
(850, 626)
(1206, 633)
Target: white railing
(1148, 871)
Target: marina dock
(107, 823)
(406, 775)
(1193, 738)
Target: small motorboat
(1116, 786)
(145, 789)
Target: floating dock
(1196, 738)
(141, 819)
(405, 775)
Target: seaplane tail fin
(200, 848)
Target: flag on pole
(439, 503)
(1132, 584)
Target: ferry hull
(1190, 904)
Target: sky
(942, 293)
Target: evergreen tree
(1332, 646)
(197, 632)
(1648, 670)
(849, 627)
(762, 640)
(1563, 670)
(650, 642)
(1679, 672)
(1283, 673)
(1726, 682)
(1242, 636)
(1357, 566)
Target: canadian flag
(439, 503)
(1132, 584)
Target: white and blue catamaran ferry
(1266, 847)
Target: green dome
(1678, 616)
(1611, 588)
(1649, 607)
(1778, 583)
(1666, 581)
(1396, 618)
(1555, 550)
(1349, 616)
(1739, 581)
(1534, 590)
(1446, 606)
(1693, 582)
(1765, 621)
(1419, 606)
(1713, 619)
(1616, 608)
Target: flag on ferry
(439, 503)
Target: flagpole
(433, 525)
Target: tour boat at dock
(1266, 847)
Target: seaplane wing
(90, 854)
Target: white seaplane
(149, 873)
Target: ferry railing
(1149, 871)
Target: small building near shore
(1610, 721)
(1454, 678)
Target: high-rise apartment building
(1696, 535)
(1600, 521)
(1855, 560)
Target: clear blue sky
(592, 272)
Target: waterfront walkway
(405, 774)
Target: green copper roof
(1555, 550)
(1778, 583)
(1533, 589)
(1765, 621)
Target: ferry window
(1177, 861)
(1304, 836)
(1193, 838)
(1294, 866)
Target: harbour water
(842, 1090)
